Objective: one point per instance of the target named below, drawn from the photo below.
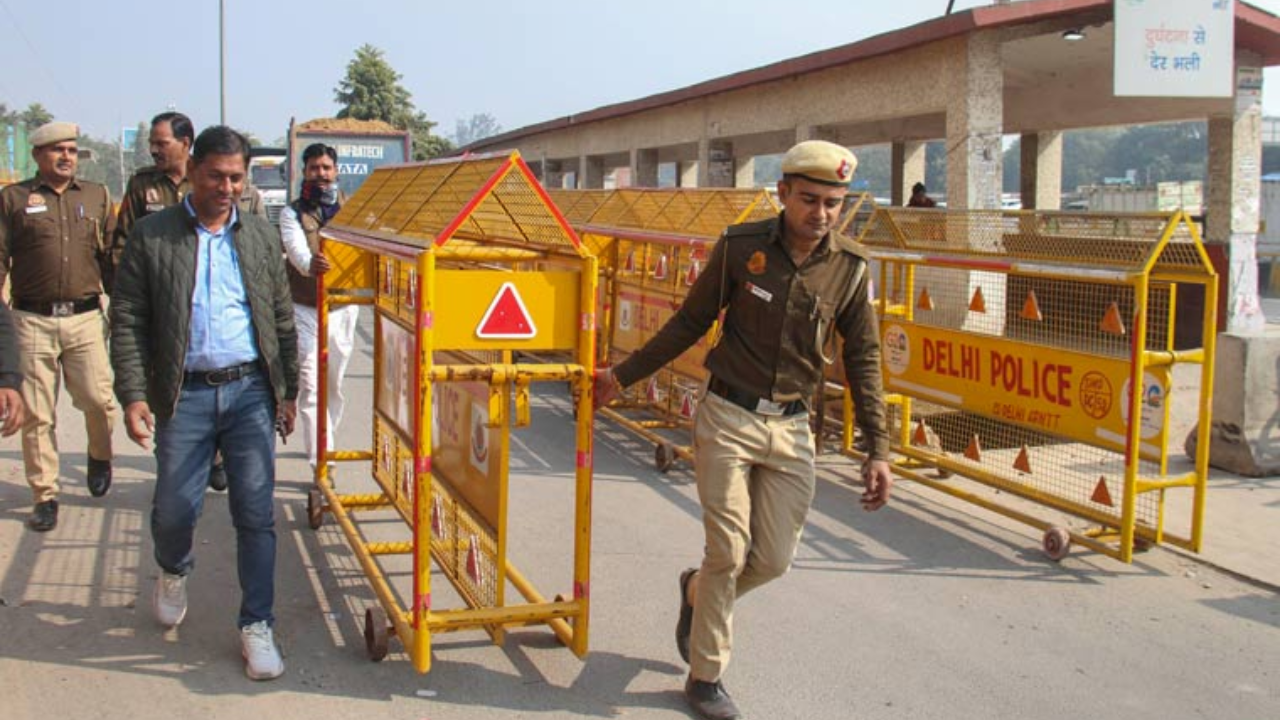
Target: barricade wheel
(664, 456)
(315, 509)
(376, 636)
(1057, 543)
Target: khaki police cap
(820, 161)
(54, 132)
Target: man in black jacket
(203, 336)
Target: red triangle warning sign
(630, 265)
(651, 391)
(507, 317)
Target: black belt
(755, 403)
(60, 308)
(222, 376)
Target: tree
(35, 115)
(476, 127)
(141, 149)
(371, 90)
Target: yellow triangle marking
(1031, 308)
(1023, 463)
(926, 302)
(974, 451)
(1111, 322)
(976, 303)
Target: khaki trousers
(74, 348)
(755, 482)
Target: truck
(362, 145)
(268, 172)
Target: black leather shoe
(710, 701)
(218, 477)
(99, 473)
(684, 625)
(44, 516)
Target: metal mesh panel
(1029, 461)
(578, 206)
(354, 207)
(417, 203)
(1125, 242)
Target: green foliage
(35, 115)
(371, 90)
(1156, 153)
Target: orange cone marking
(1023, 463)
(1100, 493)
(977, 303)
(974, 451)
(1031, 308)
(926, 302)
(920, 438)
(1111, 322)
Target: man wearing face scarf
(300, 223)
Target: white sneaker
(170, 601)
(261, 656)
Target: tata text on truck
(362, 145)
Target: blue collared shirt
(221, 324)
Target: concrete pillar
(906, 168)
(1041, 181)
(590, 173)
(552, 174)
(744, 172)
(1232, 214)
(975, 113)
(644, 167)
(687, 172)
(715, 163)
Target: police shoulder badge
(757, 263)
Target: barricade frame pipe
(1076, 262)
(653, 243)
(421, 242)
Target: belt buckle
(214, 378)
(768, 407)
(63, 309)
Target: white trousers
(342, 340)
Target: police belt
(755, 403)
(221, 376)
(59, 308)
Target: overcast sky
(106, 64)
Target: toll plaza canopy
(1034, 68)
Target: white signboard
(1175, 48)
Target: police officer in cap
(55, 231)
(785, 285)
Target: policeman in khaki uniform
(156, 187)
(54, 235)
(784, 284)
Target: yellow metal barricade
(653, 244)
(1013, 342)
(441, 249)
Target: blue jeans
(237, 418)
